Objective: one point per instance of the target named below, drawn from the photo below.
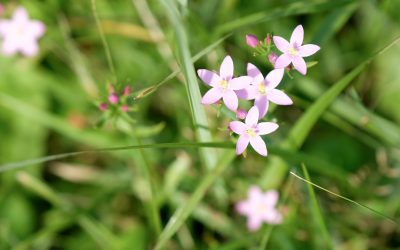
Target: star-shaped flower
(21, 34)
(294, 51)
(250, 131)
(264, 90)
(260, 207)
(223, 85)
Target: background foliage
(181, 196)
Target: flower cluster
(116, 101)
(20, 34)
(260, 207)
(254, 86)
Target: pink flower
(223, 85)
(125, 108)
(113, 98)
(252, 40)
(127, 91)
(103, 106)
(294, 51)
(250, 131)
(264, 90)
(21, 34)
(260, 207)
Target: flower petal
(266, 127)
(241, 82)
(209, 77)
(254, 222)
(36, 29)
(252, 40)
(226, 69)
(308, 50)
(262, 104)
(300, 65)
(274, 78)
(212, 96)
(29, 48)
(241, 144)
(271, 198)
(243, 207)
(282, 61)
(281, 43)
(297, 36)
(279, 97)
(230, 99)
(259, 145)
(9, 47)
(254, 72)
(248, 93)
(20, 14)
(255, 194)
(237, 127)
(272, 217)
(252, 116)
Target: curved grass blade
(347, 199)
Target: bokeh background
(49, 105)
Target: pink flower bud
(113, 98)
(2, 9)
(127, 91)
(241, 114)
(268, 39)
(103, 106)
(252, 40)
(125, 108)
(272, 58)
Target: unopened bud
(125, 108)
(103, 106)
(2, 9)
(113, 98)
(252, 40)
(268, 39)
(127, 91)
(272, 58)
(241, 114)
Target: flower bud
(272, 58)
(127, 91)
(113, 98)
(252, 40)
(103, 106)
(241, 114)
(268, 40)
(124, 108)
(2, 9)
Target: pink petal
(281, 43)
(29, 48)
(297, 36)
(282, 61)
(254, 72)
(308, 50)
(240, 82)
(20, 14)
(209, 77)
(36, 29)
(274, 78)
(254, 223)
(252, 40)
(272, 217)
(259, 145)
(241, 144)
(266, 128)
(252, 116)
(237, 127)
(262, 104)
(230, 99)
(226, 69)
(243, 207)
(300, 65)
(5, 27)
(255, 194)
(9, 47)
(271, 198)
(248, 93)
(279, 97)
(212, 96)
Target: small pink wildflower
(294, 51)
(264, 90)
(103, 106)
(260, 207)
(113, 98)
(127, 91)
(241, 114)
(250, 131)
(125, 108)
(21, 34)
(252, 40)
(223, 85)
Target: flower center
(261, 88)
(293, 52)
(251, 132)
(223, 84)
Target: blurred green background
(103, 200)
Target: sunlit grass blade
(297, 8)
(183, 212)
(347, 199)
(318, 217)
(199, 117)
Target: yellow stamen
(261, 88)
(292, 51)
(250, 132)
(223, 84)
